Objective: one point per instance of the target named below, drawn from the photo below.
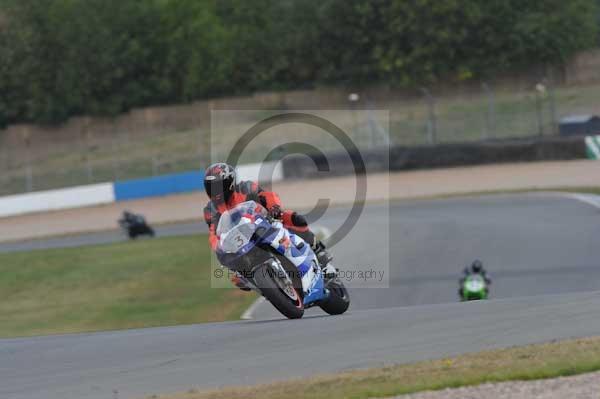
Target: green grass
(158, 282)
(524, 363)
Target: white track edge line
(590, 199)
(249, 313)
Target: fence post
(552, 102)
(116, 161)
(85, 142)
(539, 91)
(431, 121)
(353, 99)
(89, 171)
(28, 168)
(201, 144)
(6, 164)
(154, 166)
(490, 118)
(28, 178)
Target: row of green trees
(60, 58)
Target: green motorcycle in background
(474, 288)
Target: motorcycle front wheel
(338, 300)
(279, 292)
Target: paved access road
(535, 246)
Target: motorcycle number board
(234, 241)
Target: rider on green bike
(476, 268)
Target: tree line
(60, 58)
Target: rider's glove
(275, 212)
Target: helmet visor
(218, 189)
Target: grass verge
(523, 363)
(146, 283)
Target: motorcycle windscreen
(474, 284)
(231, 218)
(237, 226)
(238, 238)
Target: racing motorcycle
(135, 225)
(474, 288)
(276, 263)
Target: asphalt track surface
(541, 252)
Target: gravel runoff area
(585, 386)
(303, 194)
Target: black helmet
(477, 266)
(219, 182)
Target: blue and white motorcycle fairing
(237, 228)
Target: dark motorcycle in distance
(135, 225)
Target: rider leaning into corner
(225, 192)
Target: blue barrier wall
(159, 185)
(106, 193)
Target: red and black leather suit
(251, 191)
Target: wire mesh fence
(428, 117)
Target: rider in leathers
(225, 193)
(476, 268)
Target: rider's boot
(240, 282)
(324, 258)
